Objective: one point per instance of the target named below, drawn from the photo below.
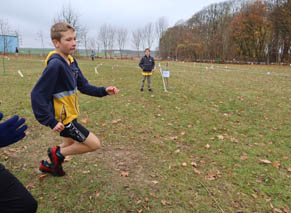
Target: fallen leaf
(194, 164)
(184, 164)
(86, 172)
(207, 146)
(265, 161)
(197, 171)
(155, 182)
(289, 170)
(140, 211)
(116, 121)
(183, 133)
(276, 164)
(277, 210)
(154, 196)
(244, 157)
(220, 137)
(124, 174)
(68, 158)
(177, 151)
(234, 140)
(42, 176)
(174, 137)
(29, 186)
(211, 176)
(138, 202)
(164, 202)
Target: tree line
(108, 37)
(234, 30)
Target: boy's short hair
(147, 49)
(58, 28)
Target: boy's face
(67, 43)
(147, 53)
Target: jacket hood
(54, 54)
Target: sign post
(161, 71)
(3, 63)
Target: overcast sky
(31, 16)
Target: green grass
(242, 113)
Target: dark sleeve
(88, 89)
(141, 63)
(153, 64)
(42, 95)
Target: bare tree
(143, 38)
(149, 35)
(41, 39)
(122, 35)
(98, 47)
(69, 15)
(92, 43)
(83, 39)
(111, 39)
(137, 39)
(161, 26)
(103, 38)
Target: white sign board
(166, 74)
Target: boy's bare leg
(67, 142)
(92, 143)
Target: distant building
(8, 43)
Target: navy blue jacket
(147, 63)
(54, 98)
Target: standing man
(92, 55)
(16, 51)
(147, 64)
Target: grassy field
(218, 141)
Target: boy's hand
(11, 130)
(59, 127)
(112, 90)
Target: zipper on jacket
(76, 107)
(63, 111)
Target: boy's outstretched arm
(89, 89)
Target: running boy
(55, 101)
(147, 64)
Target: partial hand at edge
(11, 131)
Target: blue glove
(11, 130)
